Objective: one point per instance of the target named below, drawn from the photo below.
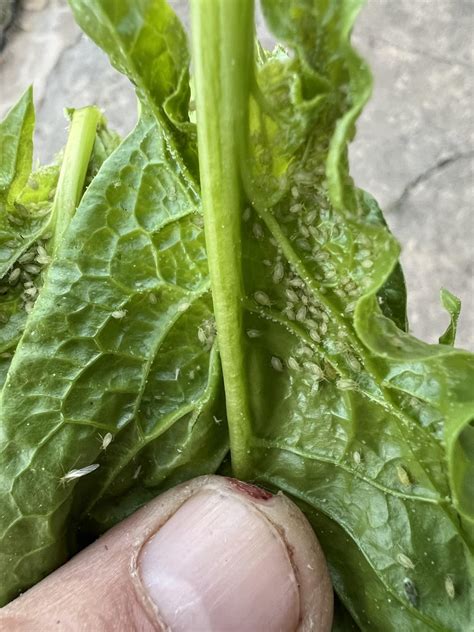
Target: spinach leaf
(327, 397)
(452, 305)
(121, 341)
(37, 208)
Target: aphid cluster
(25, 274)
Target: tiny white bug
(278, 272)
(405, 561)
(253, 333)
(202, 336)
(257, 231)
(345, 385)
(262, 298)
(301, 313)
(314, 335)
(403, 476)
(411, 592)
(118, 314)
(106, 440)
(78, 473)
(449, 586)
(276, 363)
(293, 364)
(217, 420)
(357, 457)
(246, 214)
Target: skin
(100, 589)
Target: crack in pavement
(426, 175)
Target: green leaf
(122, 332)
(41, 212)
(16, 141)
(339, 407)
(452, 305)
(146, 42)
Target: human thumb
(212, 555)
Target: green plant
(325, 395)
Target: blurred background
(414, 149)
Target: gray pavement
(415, 145)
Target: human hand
(211, 555)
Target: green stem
(223, 36)
(80, 142)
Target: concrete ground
(414, 149)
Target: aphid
(314, 335)
(350, 307)
(41, 251)
(257, 231)
(183, 306)
(296, 208)
(267, 262)
(295, 193)
(345, 385)
(323, 328)
(246, 214)
(262, 298)
(405, 561)
(152, 299)
(304, 231)
(278, 272)
(314, 369)
(367, 264)
(33, 184)
(14, 276)
(290, 313)
(29, 307)
(276, 363)
(217, 420)
(31, 268)
(449, 586)
(202, 337)
(357, 457)
(403, 476)
(106, 440)
(83, 471)
(293, 364)
(411, 592)
(253, 333)
(27, 257)
(353, 363)
(118, 314)
(301, 313)
(291, 295)
(297, 282)
(31, 291)
(303, 244)
(311, 216)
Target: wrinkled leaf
(452, 305)
(355, 419)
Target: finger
(211, 555)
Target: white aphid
(79, 473)
(257, 231)
(262, 298)
(357, 457)
(246, 214)
(449, 586)
(106, 440)
(278, 272)
(277, 364)
(403, 476)
(405, 561)
(293, 364)
(118, 314)
(202, 336)
(345, 385)
(253, 333)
